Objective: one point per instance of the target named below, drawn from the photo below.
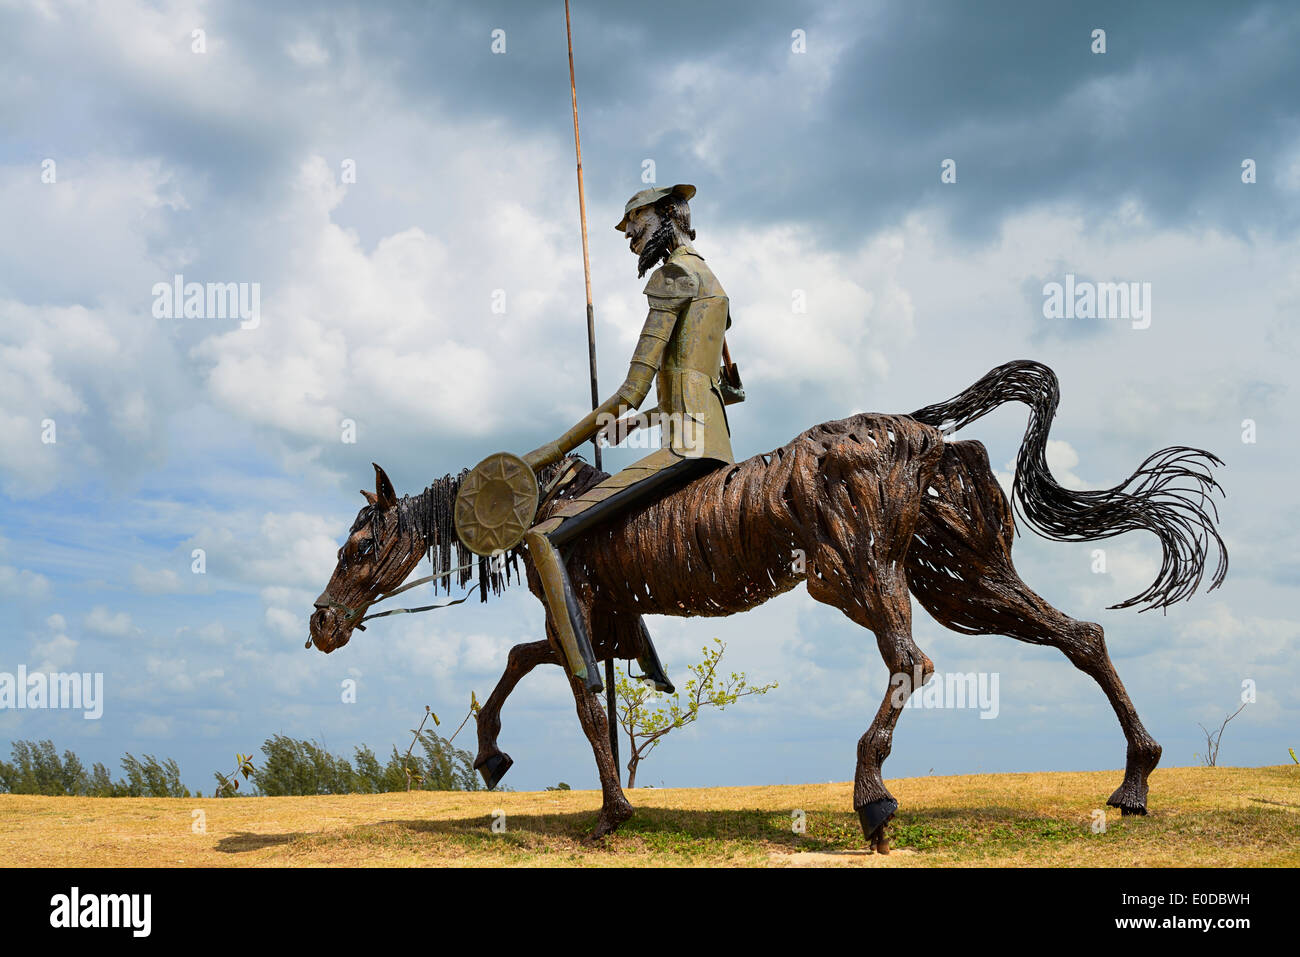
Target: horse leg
(492, 762)
(870, 487)
(959, 568)
(590, 713)
(615, 808)
(1083, 642)
(1085, 646)
(909, 668)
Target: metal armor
(689, 310)
(680, 349)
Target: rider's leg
(612, 497)
(565, 613)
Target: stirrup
(651, 667)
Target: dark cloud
(1010, 91)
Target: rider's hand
(547, 454)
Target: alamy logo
(75, 691)
(1098, 300)
(950, 690)
(647, 430)
(179, 299)
(134, 911)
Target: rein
(350, 613)
(407, 611)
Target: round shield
(496, 504)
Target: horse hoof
(1128, 803)
(495, 768)
(874, 817)
(610, 820)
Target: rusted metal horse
(864, 509)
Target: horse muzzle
(330, 628)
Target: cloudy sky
(128, 156)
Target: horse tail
(1170, 494)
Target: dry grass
(1223, 817)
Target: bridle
(351, 614)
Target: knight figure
(680, 351)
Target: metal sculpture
(864, 510)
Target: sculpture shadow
(246, 841)
(826, 830)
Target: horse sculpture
(865, 510)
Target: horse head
(382, 548)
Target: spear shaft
(582, 213)
(611, 713)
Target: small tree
(1213, 739)
(228, 785)
(646, 715)
(412, 769)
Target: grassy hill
(1223, 817)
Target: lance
(582, 215)
(591, 354)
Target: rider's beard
(658, 247)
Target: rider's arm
(670, 288)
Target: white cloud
(20, 583)
(853, 314)
(152, 726)
(401, 334)
(306, 51)
(159, 581)
(104, 622)
(1130, 566)
(289, 623)
(54, 652)
(213, 633)
(277, 548)
(171, 676)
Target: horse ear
(371, 497)
(387, 498)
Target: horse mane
(430, 516)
